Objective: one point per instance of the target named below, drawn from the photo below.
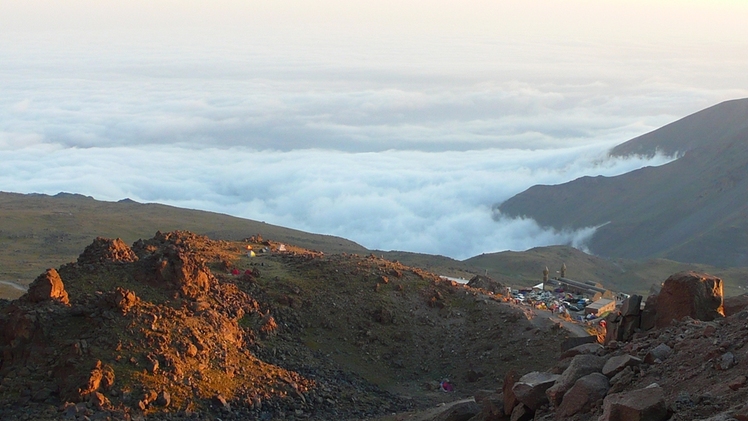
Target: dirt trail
(14, 285)
(10, 290)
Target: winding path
(14, 285)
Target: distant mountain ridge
(693, 209)
(38, 231)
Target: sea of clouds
(395, 143)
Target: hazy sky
(397, 124)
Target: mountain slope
(693, 209)
(37, 231)
(162, 329)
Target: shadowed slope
(693, 209)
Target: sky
(396, 124)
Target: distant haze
(398, 125)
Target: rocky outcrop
(692, 294)
(127, 316)
(699, 368)
(169, 260)
(685, 294)
(175, 332)
(106, 250)
(47, 286)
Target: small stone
(727, 361)
(220, 401)
(191, 350)
(737, 383)
(164, 398)
(658, 353)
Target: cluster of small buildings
(580, 299)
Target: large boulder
(646, 404)
(697, 295)
(47, 286)
(586, 391)
(530, 389)
(616, 364)
(580, 366)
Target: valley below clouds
(431, 202)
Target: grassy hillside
(39, 231)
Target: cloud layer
(434, 202)
(393, 124)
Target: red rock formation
(103, 250)
(47, 286)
